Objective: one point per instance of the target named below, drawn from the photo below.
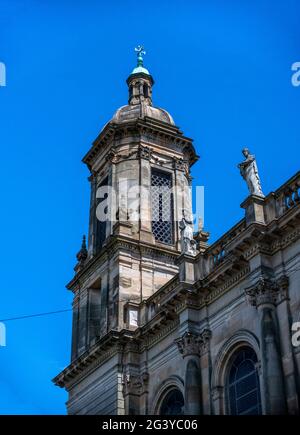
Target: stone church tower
(129, 255)
(163, 323)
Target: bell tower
(140, 168)
(139, 175)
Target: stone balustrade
(217, 252)
(288, 195)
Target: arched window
(130, 91)
(243, 384)
(173, 403)
(146, 91)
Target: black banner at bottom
(132, 424)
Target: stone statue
(249, 171)
(188, 244)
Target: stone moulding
(115, 244)
(143, 129)
(109, 345)
(239, 339)
(164, 332)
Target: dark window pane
(247, 402)
(244, 368)
(146, 91)
(173, 404)
(243, 384)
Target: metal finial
(140, 52)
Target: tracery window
(243, 384)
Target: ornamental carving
(111, 156)
(267, 291)
(145, 152)
(135, 384)
(194, 344)
(179, 164)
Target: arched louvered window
(146, 91)
(243, 384)
(130, 91)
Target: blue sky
(222, 69)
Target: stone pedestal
(186, 264)
(254, 209)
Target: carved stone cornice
(131, 346)
(113, 245)
(194, 344)
(151, 337)
(106, 347)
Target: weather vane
(140, 52)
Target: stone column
(205, 365)
(188, 346)
(135, 381)
(75, 322)
(217, 397)
(135, 392)
(195, 351)
(263, 296)
(83, 321)
(112, 197)
(288, 362)
(145, 195)
(104, 305)
(92, 221)
(179, 184)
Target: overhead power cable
(28, 316)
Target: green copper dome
(140, 69)
(140, 105)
